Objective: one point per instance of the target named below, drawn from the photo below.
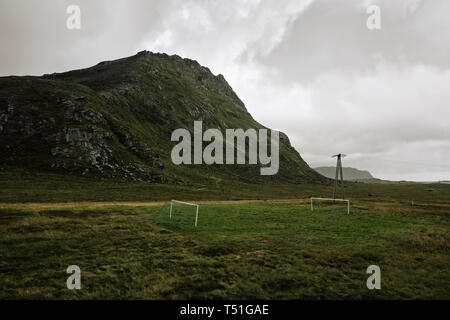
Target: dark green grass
(238, 251)
(23, 185)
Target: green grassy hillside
(115, 119)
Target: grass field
(240, 250)
(22, 185)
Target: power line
(339, 171)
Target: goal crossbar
(331, 199)
(186, 203)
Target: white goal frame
(330, 199)
(186, 203)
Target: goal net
(182, 212)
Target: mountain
(115, 120)
(350, 174)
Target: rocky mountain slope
(115, 120)
(350, 174)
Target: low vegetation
(240, 250)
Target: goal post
(330, 199)
(185, 203)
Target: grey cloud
(332, 36)
(35, 40)
(309, 68)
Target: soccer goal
(330, 199)
(172, 202)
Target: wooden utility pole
(339, 170)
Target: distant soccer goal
(176, 202)
(330, 199)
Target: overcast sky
(310, 68)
